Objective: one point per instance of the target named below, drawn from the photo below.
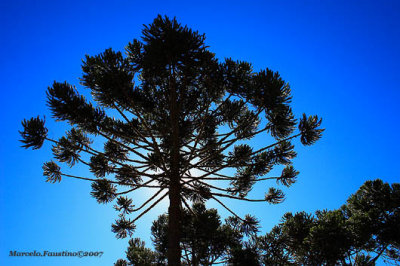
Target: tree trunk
(174, 228)
(174, 210)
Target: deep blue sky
(340, 57)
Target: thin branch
(238, 198)
(276, 143)
(379, 254)
(139, 186)
(188, 207)
(129, 121)
(267, 178)
(223, 205)
(143, 172)
(241, 125)
(94, 152)
(247, 137)
(84, 162)
(187, 257)
(223, 261)
(218, 178)
(114, 182)
(207, 171)
(123, 145)
(150, 199)
(85, 178)
(151, 207)
(206, 184)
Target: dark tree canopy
(363, 230)
(205, 240)
(172, 117)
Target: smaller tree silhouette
(205, 240)
(363, 230)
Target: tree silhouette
(205, 240)
(172, 118)
(363, 230)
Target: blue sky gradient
(340, 57)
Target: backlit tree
(362, 231)
(174, 118)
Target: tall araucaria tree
(173, 118)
